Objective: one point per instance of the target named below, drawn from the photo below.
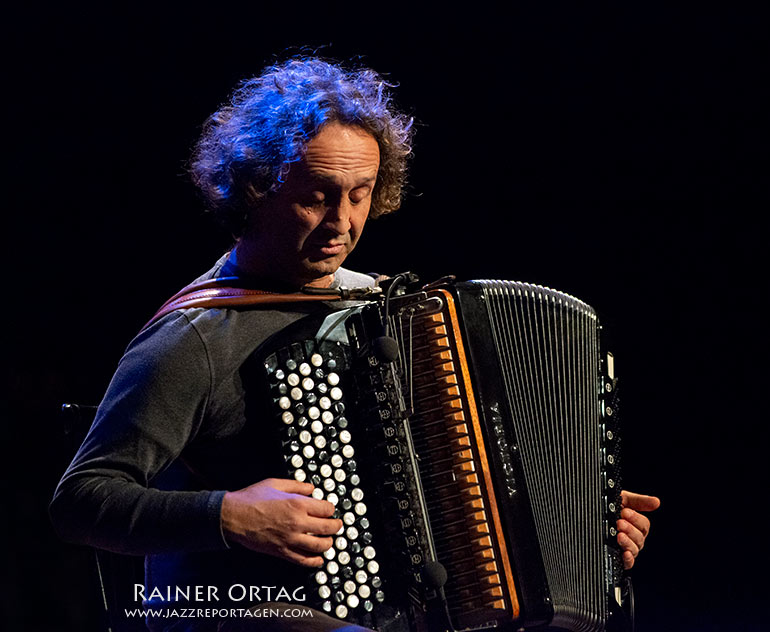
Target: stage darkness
(611, 156)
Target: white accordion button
(336, 393)
(320, 577)
(341, 612)
(316, 359)
(333, 379)
(293, 379)
(305, 369)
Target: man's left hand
(634, 527)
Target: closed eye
(316, 199)
(360, 194)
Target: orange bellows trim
(469, 534)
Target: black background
(612, 154)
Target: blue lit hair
(247, 147)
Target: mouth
(329, 249)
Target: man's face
(308, 228)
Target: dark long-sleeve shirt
(180, 424)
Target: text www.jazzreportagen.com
(217, 613)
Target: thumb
(639, 502)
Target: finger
(319, 508)
(628, 560)
(310, 544)
(322, 526)
(640, 521)
(628, 545)
(634, 534)
(640, 502)
(290, 486)
(302, 558)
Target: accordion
(467, 435)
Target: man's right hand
(277, 517)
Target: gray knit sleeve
(153, 407)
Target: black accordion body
(473, 462)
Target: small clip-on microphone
(434, 575)
(385, 347)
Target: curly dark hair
(247, 146)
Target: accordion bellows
(489, 444)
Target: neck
(249, 263)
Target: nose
(338, 214)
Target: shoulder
(222, 337)
(347, 278)
(210, 328)
(170, 341)
(222, 267)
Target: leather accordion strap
(225, 292)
